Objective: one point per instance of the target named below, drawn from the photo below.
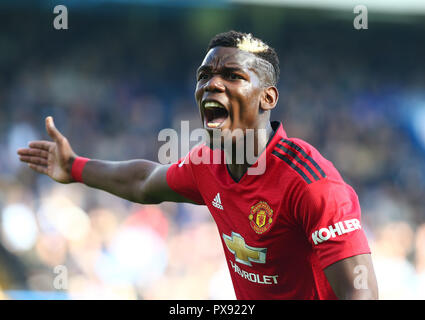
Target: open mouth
(214, 114)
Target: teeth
(213, 124)
(212, 104)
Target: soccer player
(292, 231)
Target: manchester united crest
(261, 217)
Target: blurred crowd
(112, 88)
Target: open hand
(53, 158)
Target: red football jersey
(279, 229)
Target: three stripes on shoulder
(296, 158)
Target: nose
(214, 84)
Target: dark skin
(232, 78)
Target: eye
(202, 76)
(235, 76)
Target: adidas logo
(217, 202)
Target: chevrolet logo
(243, 253)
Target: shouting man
(291, 230)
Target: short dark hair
(233, 39)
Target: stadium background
(124, 70)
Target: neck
(252, 144)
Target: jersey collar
(278, 133)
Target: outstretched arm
(135, 180)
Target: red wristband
(77, 168)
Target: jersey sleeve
(330, 216)
(181, 179)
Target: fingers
(38, 168)
(33, 152)
(52, 131)
(34, 160)
(41, 144)
(33, 156)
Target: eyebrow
(208, 68)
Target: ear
(269, 98)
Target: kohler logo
(337, 229)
